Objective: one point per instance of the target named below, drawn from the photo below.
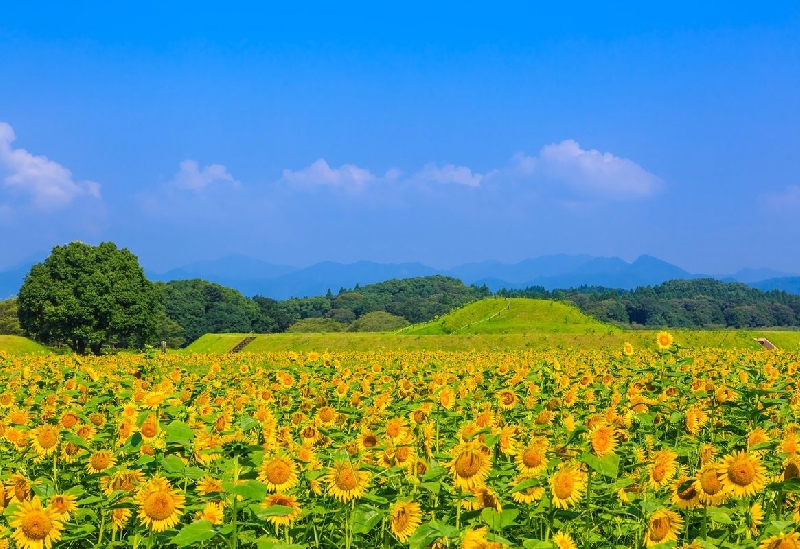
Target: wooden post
(163, 346)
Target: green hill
(18, 345)
(515, 315)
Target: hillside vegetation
(517, 315)
(18, 345)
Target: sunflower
(63, 504)
(506, 399)
(791, 468)
(476, 539)
(447, 398)
(526, 495)
(662, 469)
(209, 485)
(69, 419)
(784, 541)
(664, 526)
(18, 487)
(742, 474)
(483, 497)
(563, 540)
(684, 493)
(404, 519)
(213, 512)
(603, 440)
(709, 486)
(100, 461)
(160, 506)
(120, 517)
(470, 465)
(567, 485)
(126, 480)
(36, 527)
(627, 349)
(756, 516)
(278, 473)
(345, 481)
(284, 501)
(396, 429)
(45, 439)
(532, 460)
(664, 340)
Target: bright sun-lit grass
(17, 345)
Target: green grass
(18, 345)
(518, 315)
(726, 339)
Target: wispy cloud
(583, 172)
(786, 200)
(449, 173)
(191, 177)
(573, 171)
(320, 173)
(49, 184)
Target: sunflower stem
(704, 525)
(102, 528)
(235, 540)
(458, 510)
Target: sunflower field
(660, 447)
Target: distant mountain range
(252, 276)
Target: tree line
(697, 303)
(90, 297)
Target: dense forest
(192, 308)
(698, 303)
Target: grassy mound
(18, 345)
(518, 315)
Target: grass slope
(18, 345)
(498, 324)
(348, 341)
(518, 315)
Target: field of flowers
(658, 447)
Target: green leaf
(719, 515)
(432, 487)
(276, 511)
(790, 485)
(499, 520)
(536, 544)
(179, 432)
(193, 533)
(365, 518)
(607, 465)
(491, 440)
(525, 484)
(173, 464)
(423, 537)
(251, 489)
(247, 423)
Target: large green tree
(9, 323)
(88, 296)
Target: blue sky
(442, 133)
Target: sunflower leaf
(365, 518)
(193, 533)
(497, 520)
(251, 489)
(179, 432)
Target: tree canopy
(9, 322)
(88, 296)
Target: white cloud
(787, 199)
(49, 184)
(590, 170)
(449, 173)
(191, 177)
(320, 173)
